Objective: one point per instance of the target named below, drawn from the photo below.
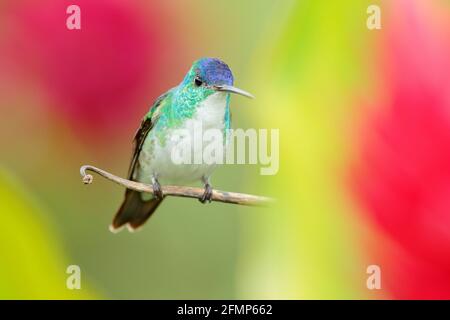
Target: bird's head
(208, 76)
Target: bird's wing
(146, 125)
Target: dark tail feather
(134, 210)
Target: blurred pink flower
(404, 181)
(96, 77)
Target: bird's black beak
(231, 89)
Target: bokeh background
(364, 179)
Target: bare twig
(178, 191)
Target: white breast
(157, 160)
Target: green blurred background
(74, 97)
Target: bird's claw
(157, 191)
(207, 195)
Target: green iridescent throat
(179, 105)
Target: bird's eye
(198, 82)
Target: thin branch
(177, 191)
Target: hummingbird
(202, 96)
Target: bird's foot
(207, 195)
(157, 191)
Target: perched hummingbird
(203, 96)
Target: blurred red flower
(404, 181)
(97, 76)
